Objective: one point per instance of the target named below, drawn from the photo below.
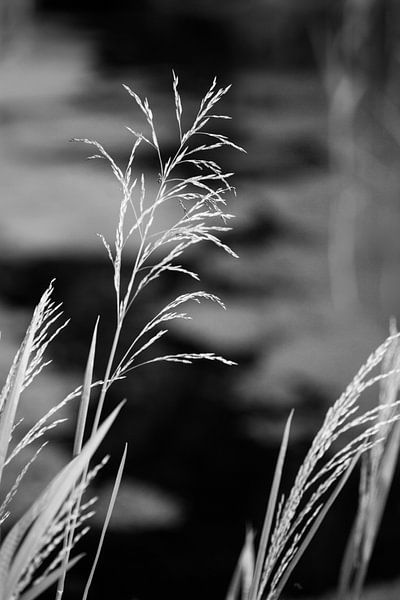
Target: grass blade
(106, 522)
(12, 399)
(270, 511)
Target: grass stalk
(270, 513)
(114, 493)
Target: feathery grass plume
(27, 364)
(377, 471)
(40, 530)
(202, 198)
(298, 516)
(25, 552)
(110, 509)
(271, 509)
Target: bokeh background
(315, 103)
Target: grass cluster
(37, 551)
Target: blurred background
(315, 104)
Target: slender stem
(106, 381)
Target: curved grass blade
(87, 383)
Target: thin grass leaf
(271, 511)
(87, 386)
(106, 522)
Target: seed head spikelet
(202, 196)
